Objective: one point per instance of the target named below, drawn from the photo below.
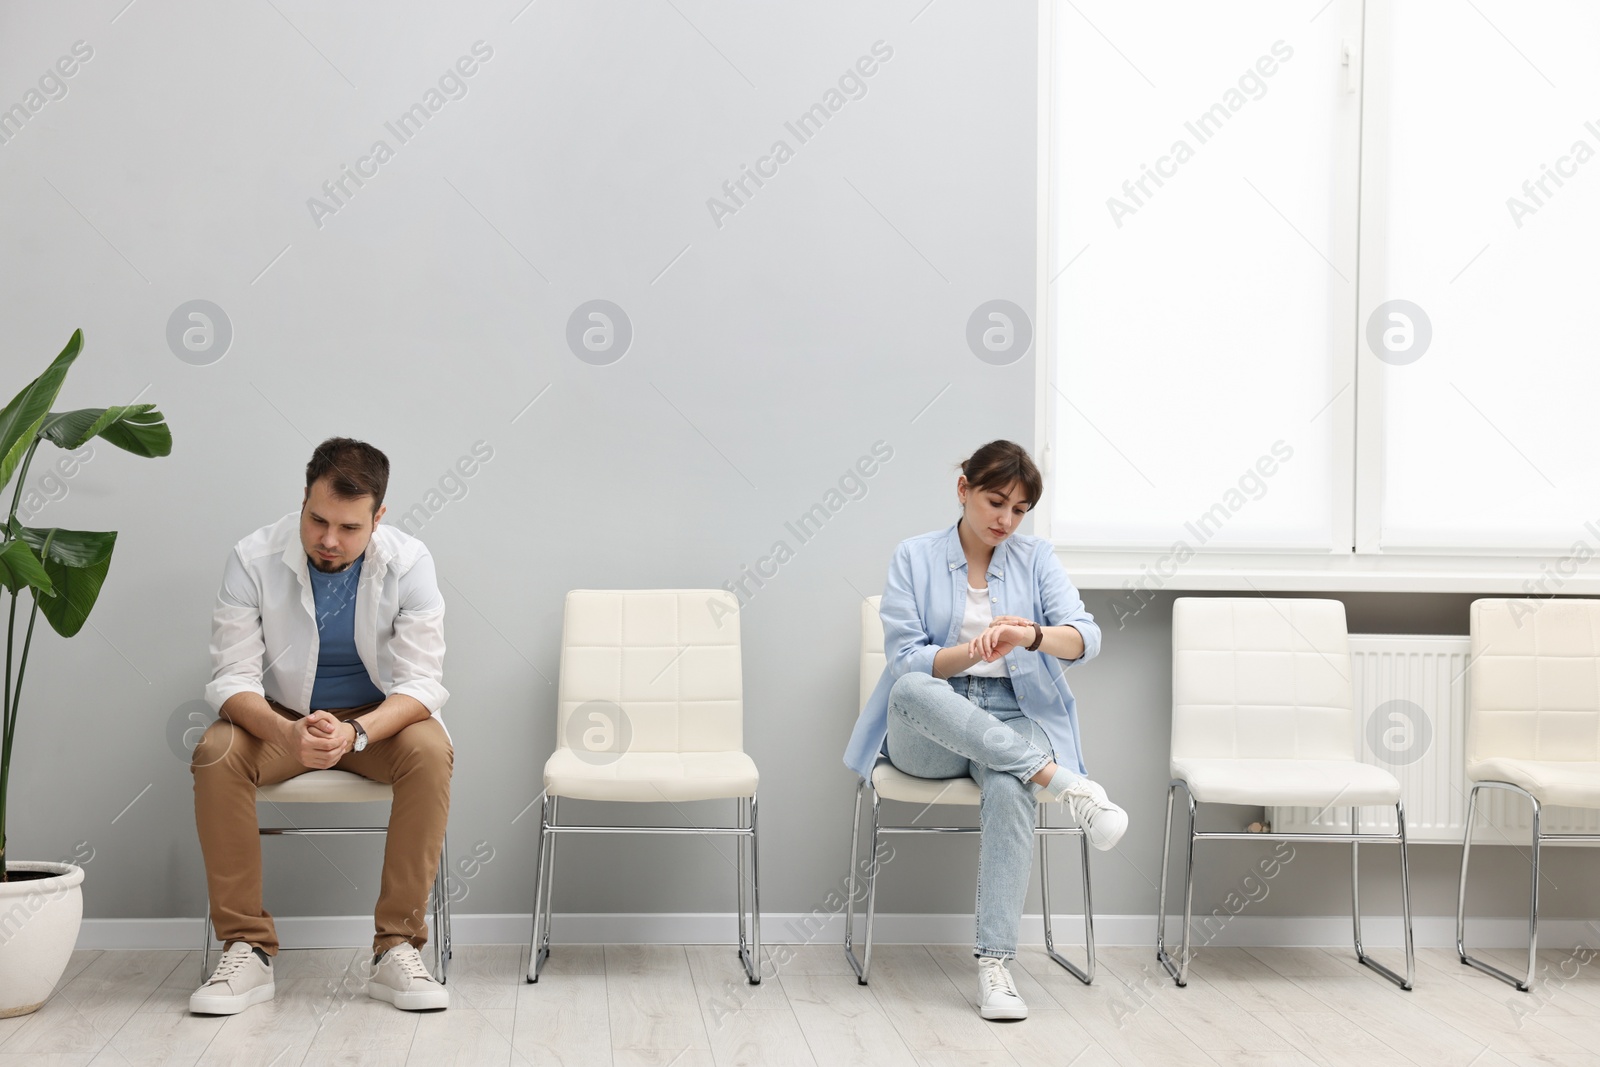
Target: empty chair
(1262, 715)
(1533, 727)
(650, 708)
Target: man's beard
(328, 568)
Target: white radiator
(1411, 700)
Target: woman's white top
(979, 614)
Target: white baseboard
(656, 928)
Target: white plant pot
(39, 920)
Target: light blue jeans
(947, 728)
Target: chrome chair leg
(544, 857)
(438, 905)
(1188, 894)
(1082, 975)
(1088, 907)
(1161, 893)
(441, 915)
(1405, 898)
(738, 873)
(1461, 884)
(449, 929)
(753, 961)
(433, 923)
(1533, 898)
(551, 829)
(1521, 984)
(1179, 968)
(869, 868)
(205, 942)
(1355, 881)
(851, 881)
(1405, 901)
(872, 893)
(749, 948)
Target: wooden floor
(688, 1007)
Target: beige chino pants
(230, 762)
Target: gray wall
(769, 352)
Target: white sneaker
(403, 980)
(997, 993)
(1103, 822)
(240, 980)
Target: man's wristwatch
(361, 736)
(1038, 637)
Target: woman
(978, 622)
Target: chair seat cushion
(1574, 784)
(652, 776)
(894, 784)
(1288, 782)
(326, 787)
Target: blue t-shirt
(342, 679)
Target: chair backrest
(650, 670)
(1534, 683)
(873, 659)
(1261, 678)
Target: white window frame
(1358, 489)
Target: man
(327, 650)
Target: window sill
(1254, 572)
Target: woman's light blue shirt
(922, 608)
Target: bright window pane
(1489, 149)
(1203, 298)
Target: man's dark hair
(353, 469)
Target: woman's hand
(1063, 642)
(999, 639)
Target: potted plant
(41, 903)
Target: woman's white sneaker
(997, 993)
(1103, 822)
(240, 980)
(403, 980)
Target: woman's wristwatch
(1038, 637)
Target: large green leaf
(137, 428)
(77, 562)
(20, 420)
(70, 548)
(77, 589)
(142, 433)
(20, 568)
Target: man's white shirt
(264, 630)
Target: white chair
(890, 784)
(1533, 727)
(343, 787)
(650, 709)
(1262, 715)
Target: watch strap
(1038, 637)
